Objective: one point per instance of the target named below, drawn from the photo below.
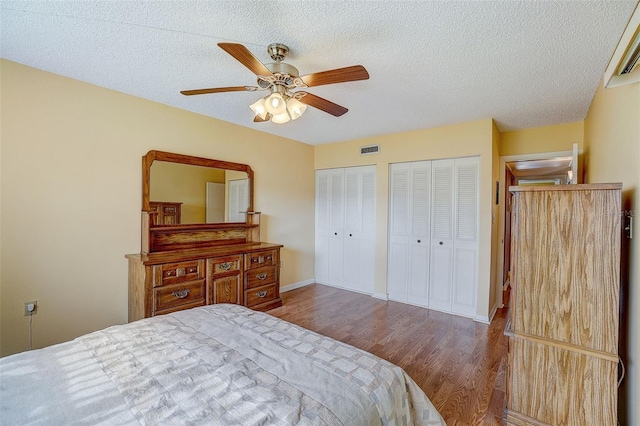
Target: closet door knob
(335, 233)
(441, 243)
(351, 235)
(419, 241)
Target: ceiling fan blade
(258, 119)
(340, 75)
(322, 104)
(219, 90)
(246, 58)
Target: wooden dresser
(181, 266)
(245, 274)
(563, 319)
(166, 213)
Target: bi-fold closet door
(345, 227)
(433, 234)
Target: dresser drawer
(221, 265)
(259, 295)
(180, 272)
(179, 295)
(260, 276)
(169, 209)
(261, 258)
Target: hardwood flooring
(460, 364)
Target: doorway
(548, 168)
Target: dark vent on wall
(371, 149)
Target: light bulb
(281, 118)
(275, 104)
(295, 108)
(259, 109)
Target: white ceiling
(523, 63)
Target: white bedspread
(215, 365)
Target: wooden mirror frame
(170, 157)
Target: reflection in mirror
(200, 194)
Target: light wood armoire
(563, 319)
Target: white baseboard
(296, 285)
(485, 319)
(482, 318)
(381, 296)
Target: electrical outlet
(30, 308)
(282, 263)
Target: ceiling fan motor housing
(283, 74)
(277, 51)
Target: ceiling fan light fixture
(259, 108)
(295, 108)
(275, 104)
(282, 105)
(281, 118)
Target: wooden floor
(459, 363)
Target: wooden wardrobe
(563, 319)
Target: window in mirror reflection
(207, 195)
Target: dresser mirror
(181, 189)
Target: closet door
(345, 228)
(359, 228)
(336, 227)
(329, 226)
(398, 263)
(419, 247)
(410, 200)
(323, 225)
(442, 172)
(465, 257)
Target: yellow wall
(560, 137)
(495, 289)
(612, 154)
(461, 140)
(71, 197)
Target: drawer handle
(170, 273)
(226, 266)
(181, 294)
(262, 276)
(192, 270)
(262, 293)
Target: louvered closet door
(454, 236)
(336, 227)
(359, 230)
(465, 258)
(442, 172)
(323, 223)
(410, 200)
(398, 264)
(329, 226)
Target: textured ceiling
(525, 64)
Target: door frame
(502, 205)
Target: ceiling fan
(280, 79)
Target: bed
(218, 364)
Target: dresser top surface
(222, 250)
